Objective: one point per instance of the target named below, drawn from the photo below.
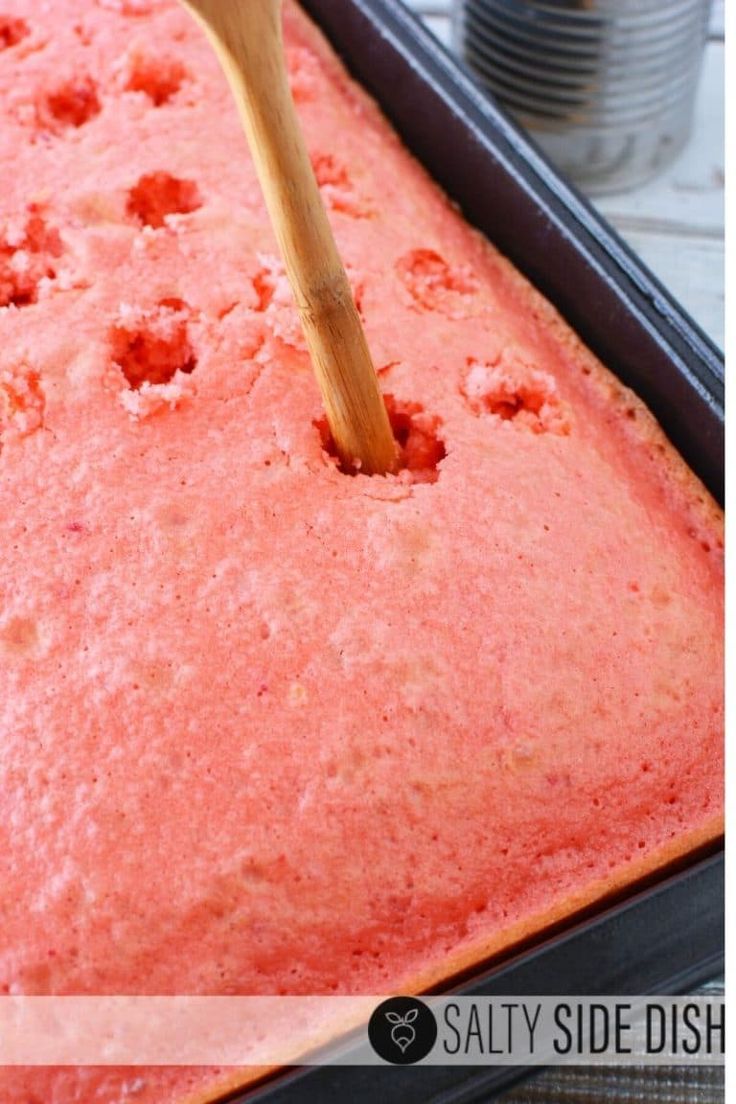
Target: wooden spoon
(247, 37)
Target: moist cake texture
(268, 727)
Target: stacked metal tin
(607, 86)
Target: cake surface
(267, 727)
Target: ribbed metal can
(606, 86)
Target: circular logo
(402, 1030)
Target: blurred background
(627, 98)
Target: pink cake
(267, 727)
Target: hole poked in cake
(264, 286)
(150, 347)
(70, 104)
(158, 195)
(416, 433)
(512, 391)
(12, 31)
(22, 403)
(27, 256)
(433, 284)
(337, 188)
(270, 282)
(159, 78)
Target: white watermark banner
(360, 1030)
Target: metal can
(606, 86)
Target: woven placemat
(625, 1084)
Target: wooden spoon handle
(248, 39)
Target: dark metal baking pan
(667, 936)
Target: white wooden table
(676, 222)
